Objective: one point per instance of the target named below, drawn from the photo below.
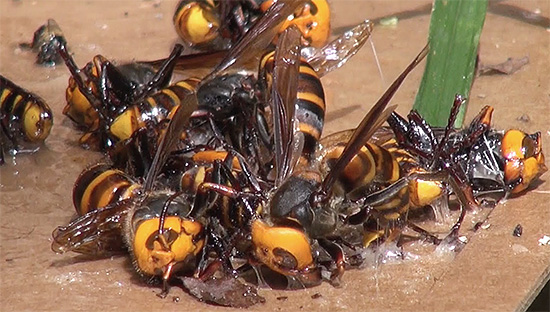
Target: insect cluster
(225, 182)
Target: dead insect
(44, 43)
(480, 160)
(296, 221)
(158, 252)
(211, 24)
(126, 81)
(111, 103)
(237, 104)
(304, 197)
(25, 118)
(264, 233)
(100, 185)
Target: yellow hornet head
(161, 255)
(524, 159)
(283, 249)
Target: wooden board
(495, 272)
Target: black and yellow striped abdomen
(25, 118)
(373, 165)
(421, 191)
(154, 109)
(310, 108)
(99, 186)
(373, 169)
(310, 101)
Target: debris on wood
(510, 66)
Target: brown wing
(259, 36)
(283, 98)
(381, 136)
(179, 117)
(370, 123)
(336, 53)
(97, 233)
(192, 61)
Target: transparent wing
(284, 91)
(179, 117)
(370, 123)
(336, 53)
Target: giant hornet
(133, 223)
(160, 228)
(237, 103)
(217, 24)
(127, 80)
(307, 199)
(103, 223)
(25, 118)
(232, 177)
(481, 160)
(233, 100)
(295, 219)
(111, 103)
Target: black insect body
(479, 160)
(44, 43)
(111, 103)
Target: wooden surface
(495, 271)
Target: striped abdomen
(373, 165)
(374, 168)
(310, 108)
(100, 186)
(310, 102)
(26, 118)
(154, 108)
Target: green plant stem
(455, 29)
